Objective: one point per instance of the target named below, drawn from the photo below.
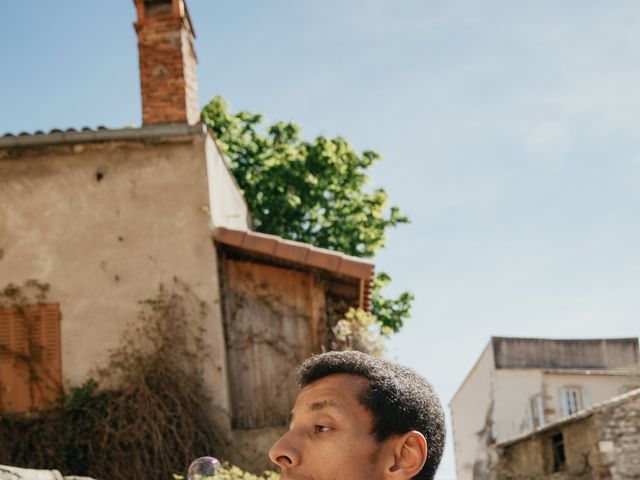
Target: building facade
(598, 443)
(104, 217)
(518, 385)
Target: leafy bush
(231, 472)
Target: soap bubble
(203, 468)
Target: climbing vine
(20, 303)
(144, 415)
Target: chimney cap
(178, 9)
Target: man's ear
(409, 455)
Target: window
(572, 400)
(30, 370)
(557, 445)
(536, 411)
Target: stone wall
(602, 443)
(533, 458)
(619, 439)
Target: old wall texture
(226, 203)
(472, 412)
(513, 388)
(105, 223)
(603, 444)
(596, 388)
(619, 439)
(547, 353)
(167, 65)
(516, 378)
(533, 458)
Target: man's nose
(283, 453)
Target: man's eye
(321, 428)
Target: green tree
(309, 191)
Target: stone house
(105, 216)
(597, 443)
(520, 384)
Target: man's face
(330, 436)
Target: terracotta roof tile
(324, 260)
(355, 268)
(294, 251)
(303, 254)
(259, 242)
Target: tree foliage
(309, 191)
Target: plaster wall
(471, 414)
(596, 389)
(105, 224)
(513, 389)
(226, 203)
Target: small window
(572, 400)
(557, 445)
(536, 412)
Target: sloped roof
(302, 254)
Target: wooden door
(272, 321)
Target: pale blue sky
(510, 132)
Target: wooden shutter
(272, 316)
(563, 394)
(31, 332)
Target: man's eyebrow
(315, 406)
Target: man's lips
(288, 475)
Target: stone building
(597, 443)
(106, 216)
(520, 384)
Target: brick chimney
(167, 62)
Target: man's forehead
(336, 391)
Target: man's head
(358, 417)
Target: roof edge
(101, 134)
(622, 372)
(626, 339)
(488, 347)
(302, 254)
